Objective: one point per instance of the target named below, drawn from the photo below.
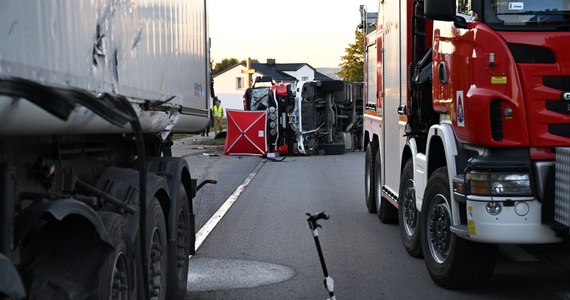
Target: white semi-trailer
(88, 90)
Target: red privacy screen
(246, 133)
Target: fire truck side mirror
(442, 10)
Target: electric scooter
(312, 220)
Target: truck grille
(557, 82)
(562, 187)
(530, 54)
(561, 83)
(558, 106)
(560, 129)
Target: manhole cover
(209, 274)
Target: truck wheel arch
(441, 148)
(59, 210)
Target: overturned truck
(309, 117)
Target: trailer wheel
(387, 213)
(369, 180)
(408, 215)
(452, 262)
(156, 251)
(116, 278)
(180, 253)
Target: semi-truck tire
(369, 180)
(116, 279)
(408, 215)
(387, 213)
(180, 250)
(452, 262)
(156, 251)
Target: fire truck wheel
(116, 278)
(179, 253)
(386, 212)
(369, 180)
(452, 262)
(157, 251)
(408, 214)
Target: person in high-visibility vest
(218, 114)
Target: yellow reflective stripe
(218, 111)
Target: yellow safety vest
(218, 111)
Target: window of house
(304, 78)
(239, 83)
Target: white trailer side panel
(395, 89)
(144, 50)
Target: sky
(290, 31)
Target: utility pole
(249, 71)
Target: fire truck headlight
(499, 183)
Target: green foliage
(352, 63)
(227, 63)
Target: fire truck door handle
(402, 110)
(442, 72)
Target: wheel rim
(409, 209)
(181, 245)
(120, 278)
(155, 270)
(439, 229)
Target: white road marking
(203, 233)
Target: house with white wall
(230, 85)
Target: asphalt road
(263, 248)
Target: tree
(225, 64)
(352, 63)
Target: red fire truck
(467, 128)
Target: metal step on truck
(89, 90)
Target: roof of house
(277, 71)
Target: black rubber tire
(387, 213)
(116, 278)
(369, 167)
(452, 262)
(408, 215)
(156, 251)
(180, 253)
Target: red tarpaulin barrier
(246, 133)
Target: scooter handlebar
(313, 218)
(318, 216)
